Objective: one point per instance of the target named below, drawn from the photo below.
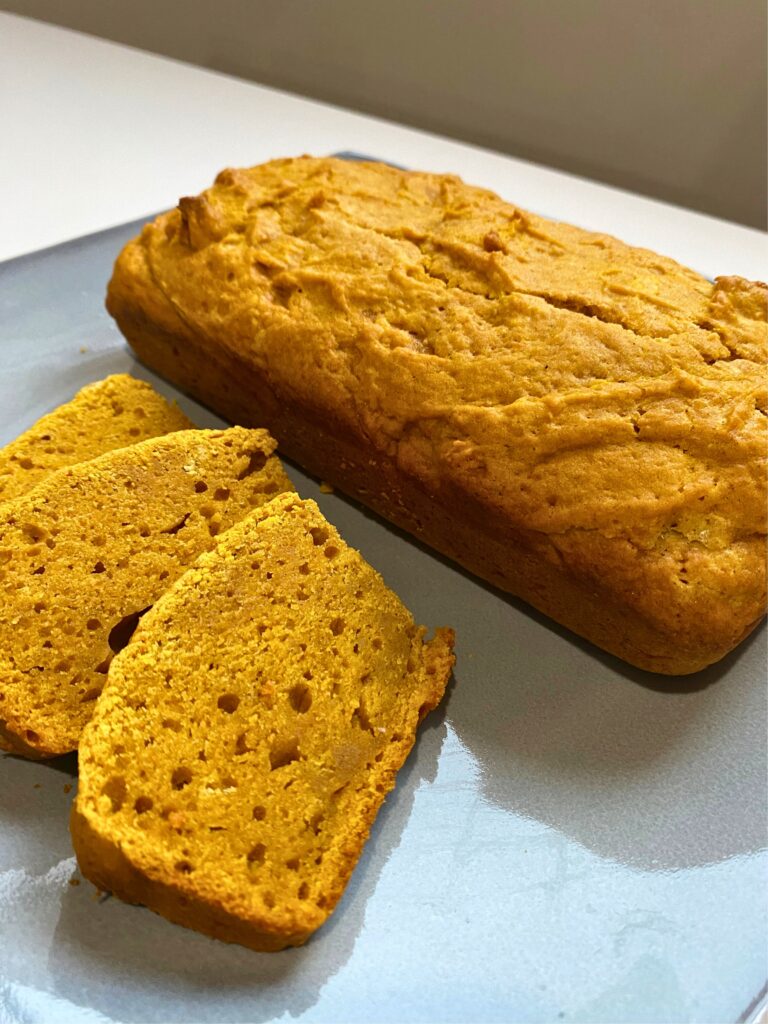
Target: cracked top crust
(605, 401)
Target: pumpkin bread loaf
(111, 413)
(250, 731)
(580, 422)
(88, 551)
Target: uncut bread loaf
(250, 731)
(89, 550)
(108, 414)
(578, 421)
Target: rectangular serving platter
(571, 840)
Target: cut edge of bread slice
(88, 551)
(112, 413)
(251, 730)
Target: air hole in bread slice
(256, 461)
(257, 854)
(284, 751)
(300, 697)
(360, 717)
(173, 530)
(181, 777)
(115, 789)
(121, 633)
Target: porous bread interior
(249, 732)
(108, 414)
(591, 407)
(85, 553)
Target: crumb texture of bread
(579, 421)
(108, 414)
(250, 731)
(88, 551)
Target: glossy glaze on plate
(571, 840)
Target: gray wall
(665, 97)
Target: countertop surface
(571, 840)
(95, 134)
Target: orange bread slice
(85, 553)
(250, 731)
(109, 414)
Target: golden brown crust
(108, 414)
(250, 731)
(557, 405)
(85, 553)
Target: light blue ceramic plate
(572, 840)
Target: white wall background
(664, 97)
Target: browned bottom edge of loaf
(234, 390)
(110, 870)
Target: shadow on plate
(659, 780)
(35, 798)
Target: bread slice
(109, 414)
(89, 550)
(250, 731)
